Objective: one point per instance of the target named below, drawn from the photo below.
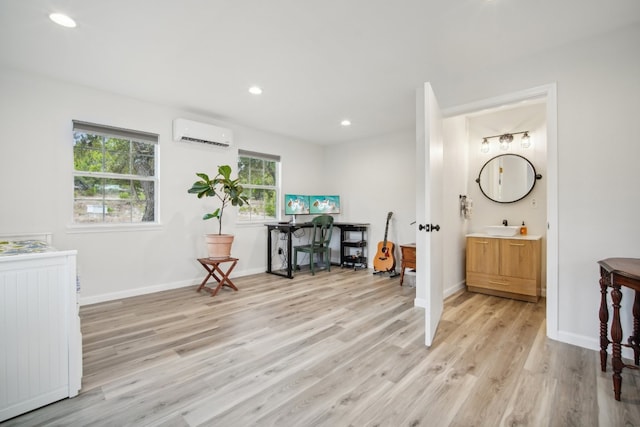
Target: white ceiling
(317, 61)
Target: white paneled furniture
(41, 343)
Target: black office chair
(319, 244)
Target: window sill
(110, 228)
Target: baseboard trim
(421, 302)
(453, 289)
(589, 343)
(95, 299)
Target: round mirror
(507, 178)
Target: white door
(429, 263)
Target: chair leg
(295, 259)
(313, 273)
(328, 260)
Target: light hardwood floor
(340, 348)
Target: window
(259, 175)
(114, 179)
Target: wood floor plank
(339, 348)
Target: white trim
(113, 227)
(156, 288)
(549, 92)
(453, 289)
(137, 291)
(422, 303)
(579, 340)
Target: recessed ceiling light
(62, 19)
(255, 90)
(346, 122)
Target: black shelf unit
(353, 245)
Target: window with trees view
(115, 179)
(259, 175)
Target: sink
(503, 230)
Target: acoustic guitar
(384, 260)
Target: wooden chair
(319, 244)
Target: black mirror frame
(537, 176)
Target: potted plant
(227, 190)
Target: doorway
(452, 282)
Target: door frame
(549, 93)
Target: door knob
(435, 227)
(423, 227)
(429, 227)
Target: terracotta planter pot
(219, 245)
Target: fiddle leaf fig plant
(227, 190)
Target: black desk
(289, 229)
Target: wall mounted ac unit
(188, 130)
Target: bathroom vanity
(504, 266)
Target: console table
(288, 229)
(616, 273)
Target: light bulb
(484, 147)
(505, 141)
(526, 140)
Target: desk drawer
(513, 285)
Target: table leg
(401, 275)
(224, 278)
(289, 249)
(269, 243)
(206, 279)
(616, 337)
(604, 319)
(634, 340)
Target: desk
(615, 273)
(212, 265)
(408, 258)
(288, 229)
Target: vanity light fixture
(62, 19)
(505, 141)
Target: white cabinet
(41, 351)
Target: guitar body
(384, 261)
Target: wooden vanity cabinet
(506, 267)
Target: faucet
(504, 222)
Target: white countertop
(517, 236)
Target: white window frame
(132, 135)
(276, 187)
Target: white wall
(455, 173)
(36, 163)
(374, 177)
(598, 93)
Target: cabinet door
(483, 255)
(520, 258)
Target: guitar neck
(386, 230)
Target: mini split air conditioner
(188, 130)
